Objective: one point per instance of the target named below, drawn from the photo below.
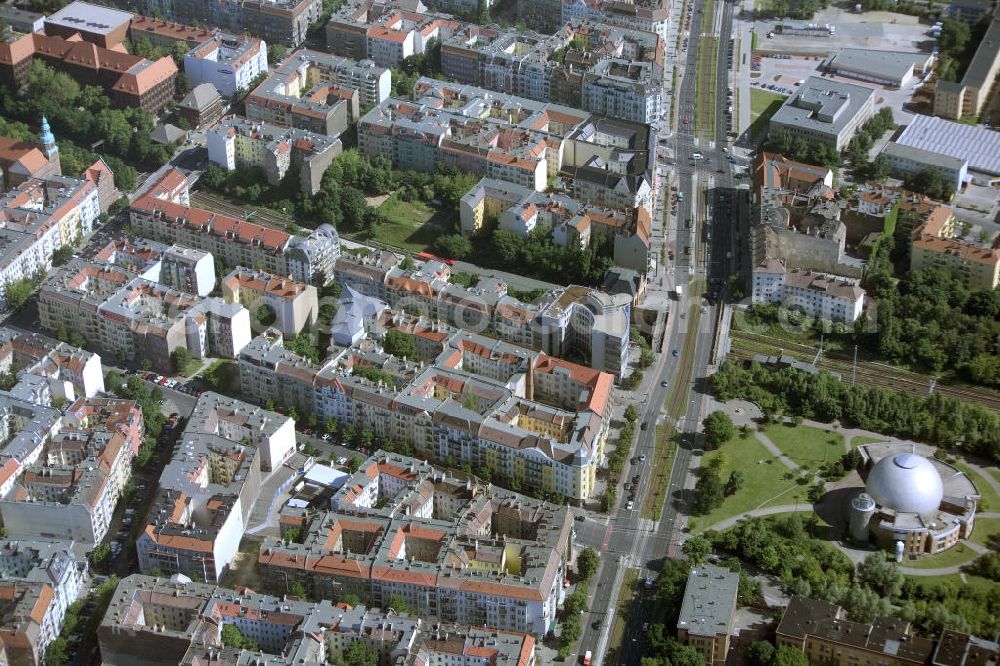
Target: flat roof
(887, 65)
(89, 18)
(324, 475)
(709, 601)
(823, 105)
(978, 73)
(927, 157)
(977, 145)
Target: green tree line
(937, 419)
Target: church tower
(47, 144)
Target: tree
(360, 653)
(400, 345)
(789, 656)
(57, 652)
(735, 483)
(453, 246)
(18, 292)
(697, 548)
(354, 464)
(719, 428)
(399, 604)
(631, 413)
(265, 315)
(181, 359)
(881, 575)
(708, 492)
(759, 653)
(587, 563)
(231, 636)
(100, 553)
(297, 589)
(276, 52)
(62, 255)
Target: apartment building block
(798, 219)
(295, 305)
(455, 551)
(707, 616)
(513, 139)
(41, 579)
(968, 97)
(70, 492)
(136, 318)
(817, 295)
(231, 63)
(187, 269)
(280, 22)
(822, 631)
(318, 92)
(521, 210)
(934, 244)
(184, 620)
(162, 211)
(566, 320)
(237, 142)
(482, 401)
(207, 490)
(38, 217)
(586, 64)
(385, 32)
(71, 372)
(166, 33)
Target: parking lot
(781, 73)
(870, 30)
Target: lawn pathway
(776, 452)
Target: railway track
(220, 205)
(869, 373)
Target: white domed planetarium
(923, 503)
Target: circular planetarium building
(923, 503)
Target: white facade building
(815, 294)
(231, 63)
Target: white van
(697, 156)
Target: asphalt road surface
(629, 541)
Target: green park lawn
(765, 480)
(763, 105)
(989, 499)
(809, 447)
(861, 440)
(411, 225)
(957, 556)
(984, 528)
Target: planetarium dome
(906, 482)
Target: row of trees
(937, 419)
(929, 181)
(797, 148)
(861, 143)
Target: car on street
(342, 460)
(664, 383)
(643, 426)
(677, 352)
(628, 507)
(642, 458)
